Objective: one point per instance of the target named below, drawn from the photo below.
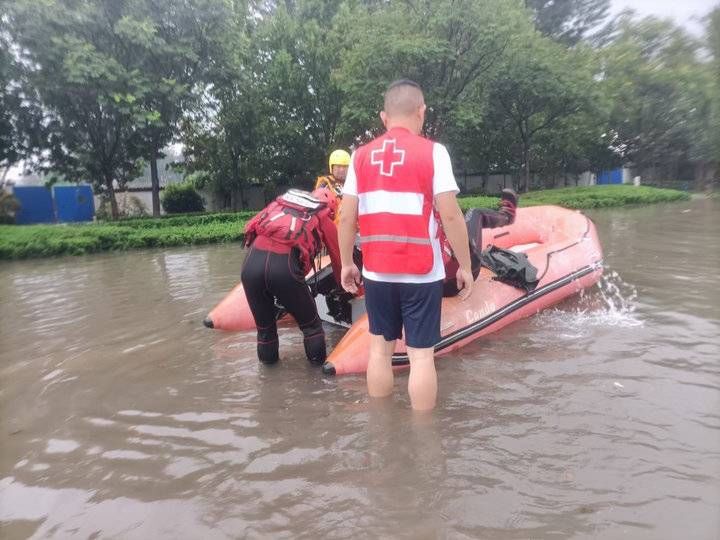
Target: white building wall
(124, 199)
(495, 183)
(587, 179)
(627, 177)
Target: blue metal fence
(36, 205)
(74, 203)
(39, 204)
(610, 177)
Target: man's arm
(456, 231)
(350, 275)
(330, 239)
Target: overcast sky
(686, 12)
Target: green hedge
(585, 197)
(27, 241)
(478, 201)
(603, 196)
(184, 220)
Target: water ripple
(123, 417)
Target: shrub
(133, 207)
(8, 206)
(128, 207)
(584, 197)
(27, 241)
(182, 198)
(102, 212)
(186, 219)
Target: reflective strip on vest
(392, 202)
(302, 198)
(394, 238)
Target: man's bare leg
(379, 372)
(422, 384)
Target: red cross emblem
(387, 157)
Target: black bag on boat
(509, 267)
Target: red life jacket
(395, 202)
(290, 221)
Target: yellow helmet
(339, 157)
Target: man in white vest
(396, 186)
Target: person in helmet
(338, 164)
(283, 240)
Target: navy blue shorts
(414, 306)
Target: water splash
(618, 299)
(610, 303)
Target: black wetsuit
(267, 276)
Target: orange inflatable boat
(562, 245)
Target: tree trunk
(237, 182)
(114, 210)
(705, 173)
(526, 165)
(243, 202)
(234, 173)
(155, 183)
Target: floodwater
(121, 416)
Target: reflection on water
(182, 272)
(121, 416)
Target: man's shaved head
(403, 98)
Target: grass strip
(32, 241)
(586, 197)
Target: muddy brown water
(122, 417)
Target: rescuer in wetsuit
(284, 238)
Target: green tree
(704, 97)
(661, 95)
(226, 142)
(568, 21)
(8, 136)
(171, 45)
(300, 82)
(223, 149)
(89, 97)
(498, 93)
(112, 78)
(276, 109)
(20, 118)
(713, 34)
(544, 96)
(451, 48)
